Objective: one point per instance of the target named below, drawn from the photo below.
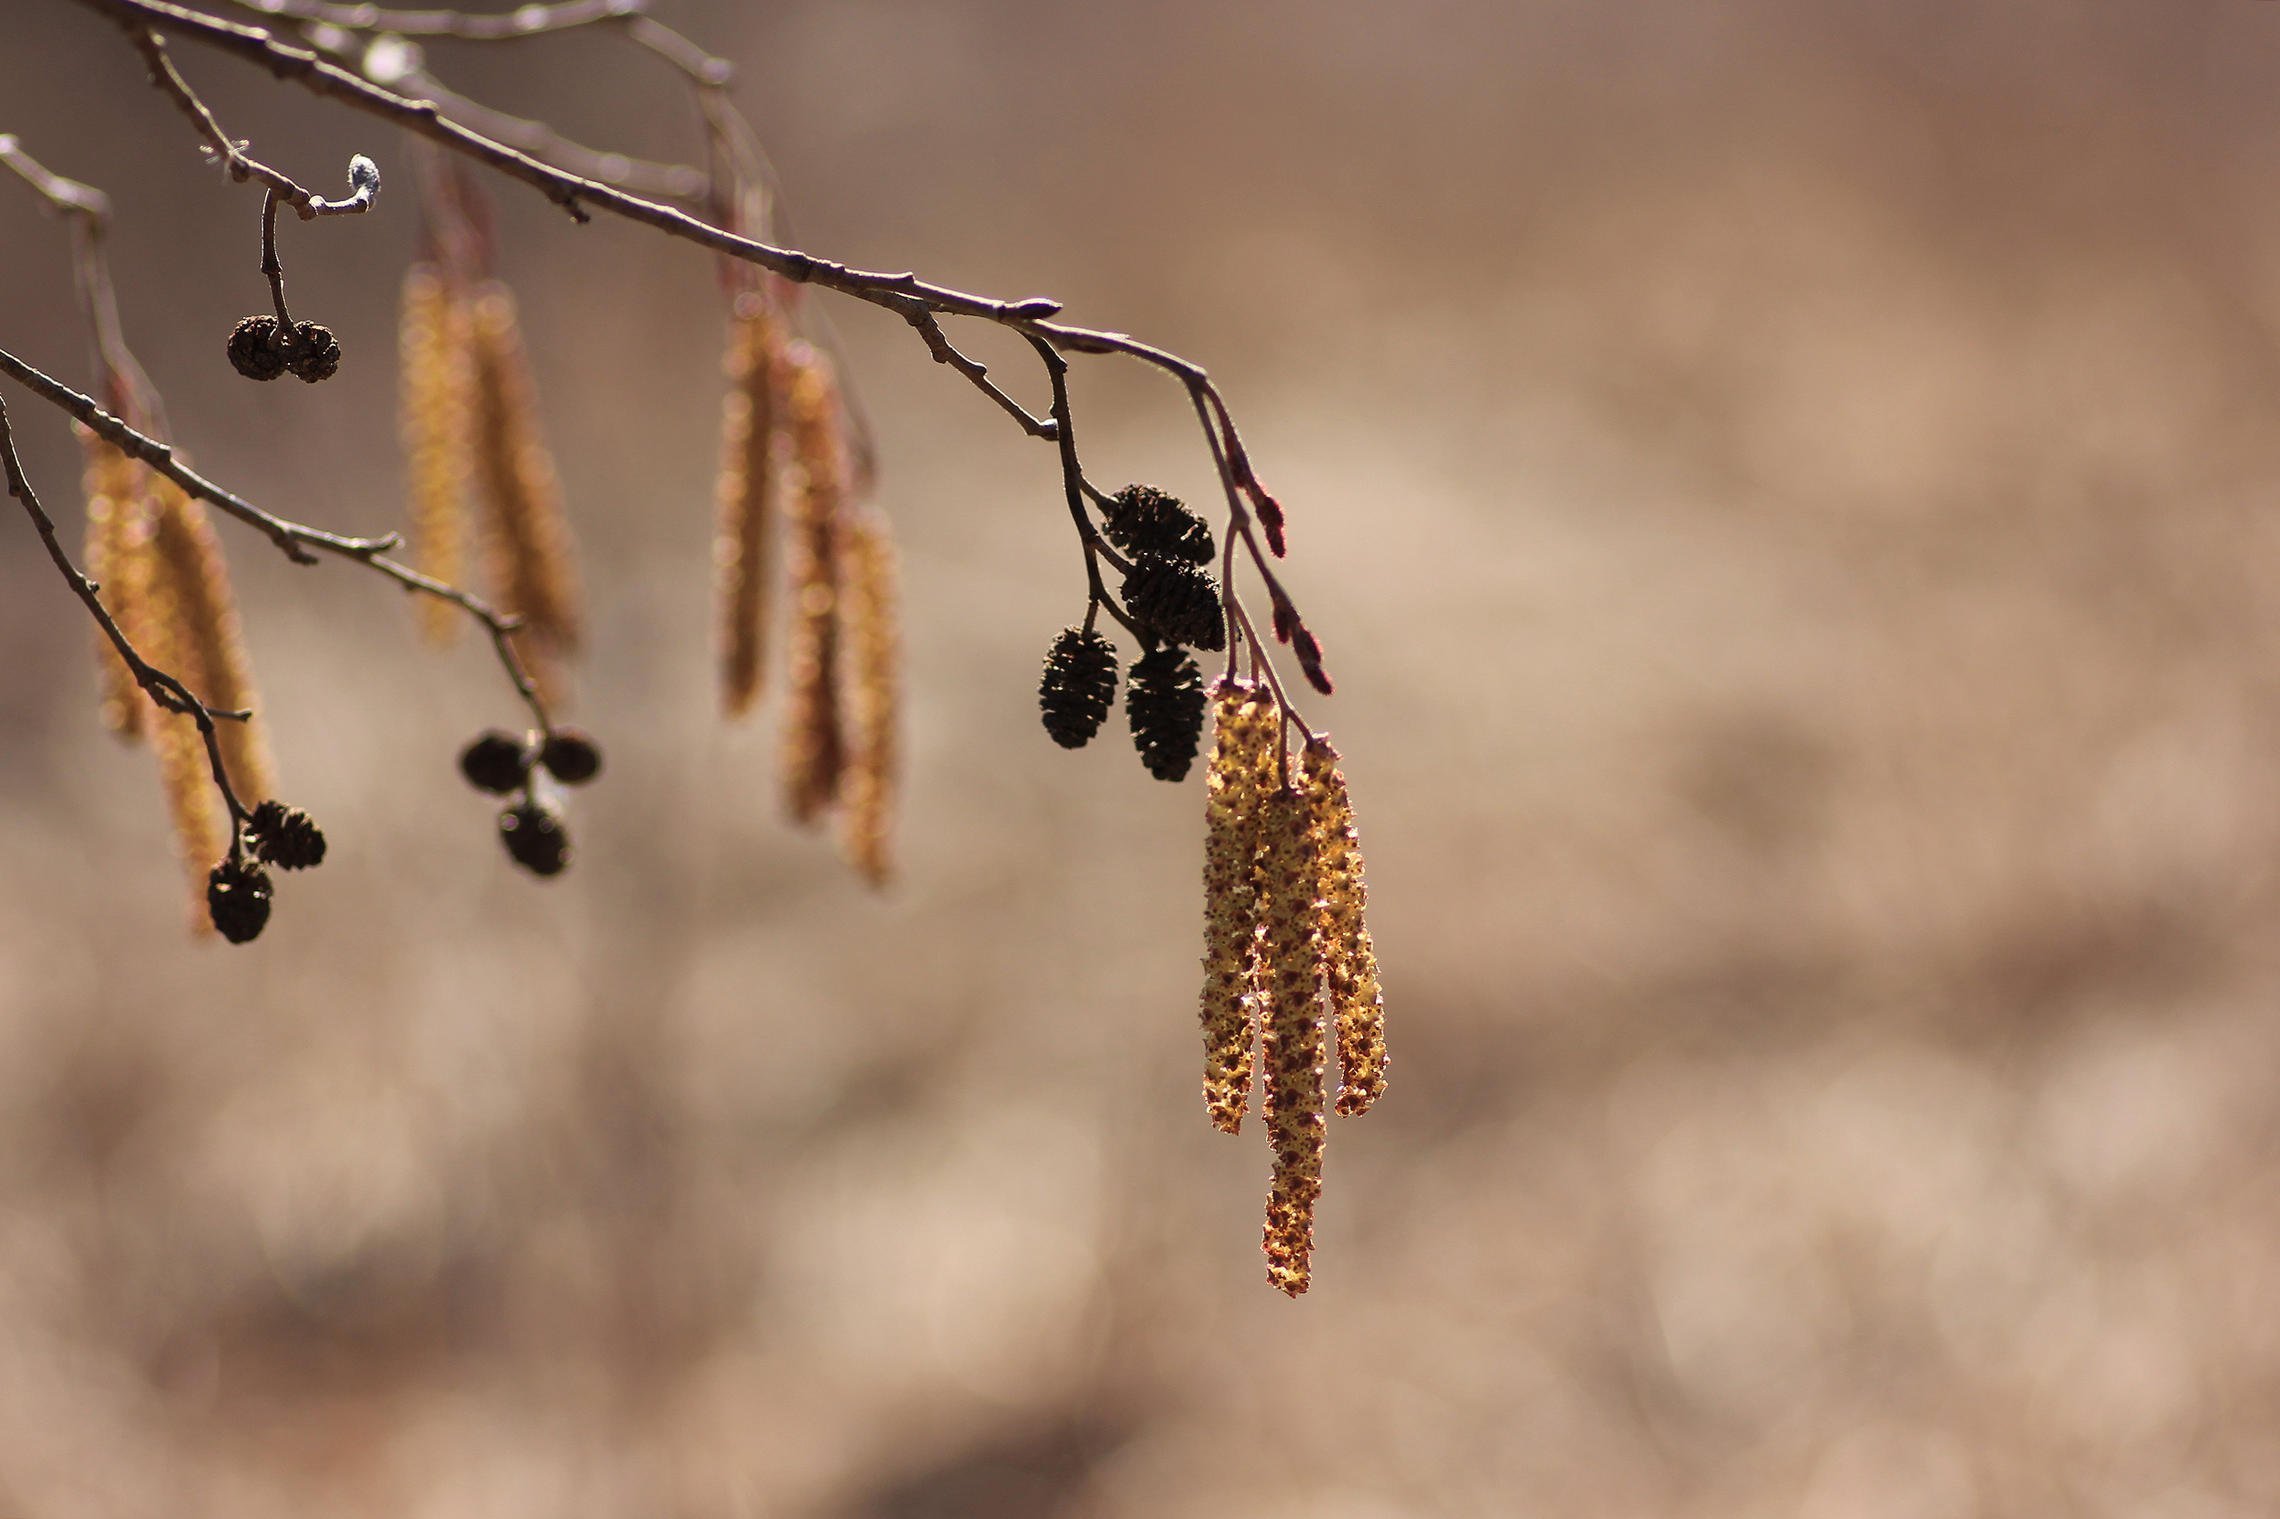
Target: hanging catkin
(526, 538)
(436, 413)
(208, 636)
(1241, 756)
(1291, 1044)
(873, 659)
(814, 747)
(746, 499)
(1357, 1006)
(118, 538)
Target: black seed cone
(534, 835)
(496, 762)
(571, 757)
(287, 837)
(254, 349)
(316, 353)
(237, 899)
(1079, 687)
(1175, 601)
(1146, 520)
(1165, 701)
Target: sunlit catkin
(873, 659)
(1232, 812)
(1357, 1006)
(435, 418)
(814, 746)
(1291, 1043)
(746, 499)
(526, 537)
(208, 637)
(118, 539)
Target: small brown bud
(533, 833)
(571, 756)
(497, 762)
(237, 898)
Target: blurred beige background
(1787, 486)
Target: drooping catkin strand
(814, 746)
(118, 537)
(873, 658)
(435, 418)
(156, 623)
(1233, 798)
(1292, 1040)
(746, 499)
(1357, 1006)
(209, 637)
(526, 537)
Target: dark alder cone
(316, 353)
(1165, 701)
(254, 349)
(534, 835)
(1079, 686)
(571, 757)
(1175, 601)
(1146, 520)
(497, 762)
(237, 899)
(287, 837)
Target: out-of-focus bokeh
(1789, 488)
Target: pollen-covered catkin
(874, 655)
(746, 498)
(1244, 731)
(814, 746)
(208, 632)
(527, 538)
(435, 415)
(1357, 1006)
(118, 540)
(1291, 1045)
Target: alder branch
(902, 293)
(297, 541)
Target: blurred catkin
(1233, 798)
(746, 499)
(118, 536)
(209, 637)
(1357, 1007)
(874, 655)
(435, 417)
(1292, 1041)
(814, 746)
(526, 538)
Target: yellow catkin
(157, 624)
(435, 419)
(814, 747)
(209, 636)
(1243, 736)
(1357, 1006)
(874, 656)
(746, 499)
(116, 530)
(526, 538)
(1291, 1043)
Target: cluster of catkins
(1173, 604)
(1288, 966)
(787, 470)
(152, 549)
